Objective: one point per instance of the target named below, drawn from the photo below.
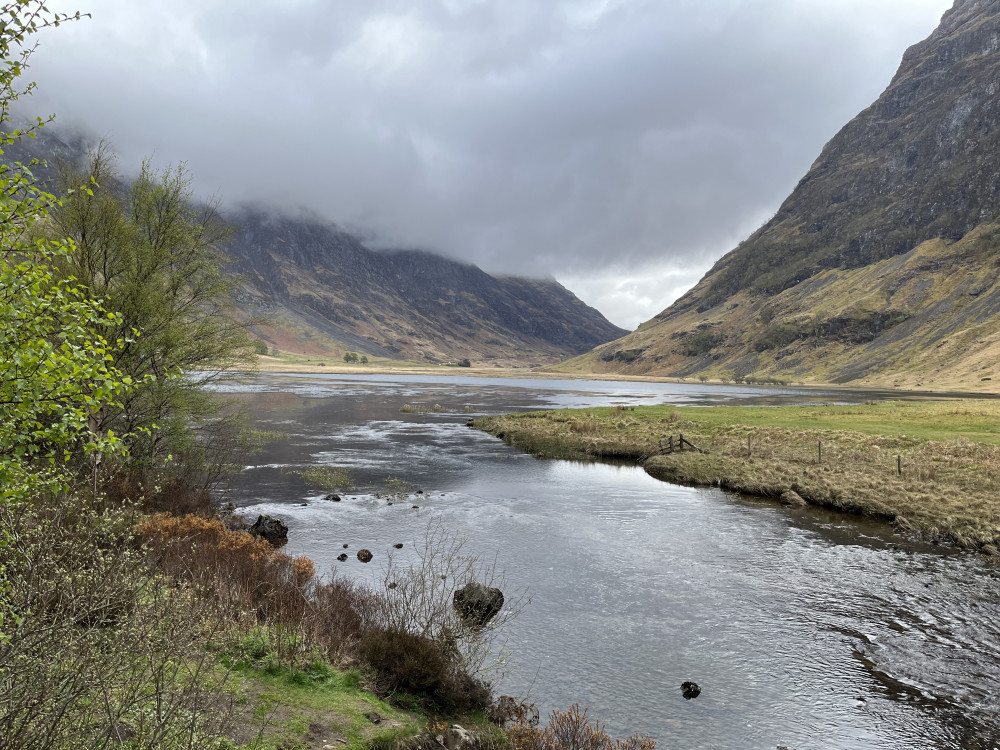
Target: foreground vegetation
(132, 614)
(932, 467)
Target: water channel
(803, 628)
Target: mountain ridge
(321, 290)
(325, 290)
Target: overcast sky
(621, 146)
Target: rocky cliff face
(324, 291)
(853, 266)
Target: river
(803, 628)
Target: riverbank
(312, 364)
(926, 466)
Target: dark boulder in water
(690, 690)
(270, 530)
(478, 604)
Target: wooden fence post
(819, 448)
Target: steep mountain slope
(324, 291)
(881, 264)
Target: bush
(429, 670)
(104, 654)
(572, 730)
(242, 573)
(260, 347)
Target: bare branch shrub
(418, 598)
(102, 653)
(572, 730)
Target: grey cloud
(579, 139)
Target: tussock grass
(930, 466)
(420, 408)
(327, 477)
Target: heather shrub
(429, 670)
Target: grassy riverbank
(931, 466)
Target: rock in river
(271, 530)
(478, 604)
(364, 555)
(690, 690)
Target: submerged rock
(477, 604)
(333, 498)
(342, 557)
(270, 530)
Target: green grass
(933, 466)
(315, 707)
(977, 420)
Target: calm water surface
(802, 627)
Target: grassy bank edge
(947, 488)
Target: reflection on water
(803, 628)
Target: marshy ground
(932, 466)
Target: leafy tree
(260, 347)
(350, 357)
(364, 359)
(58, 345)
(154, 256)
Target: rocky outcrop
(457, 737)
(920, 163)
